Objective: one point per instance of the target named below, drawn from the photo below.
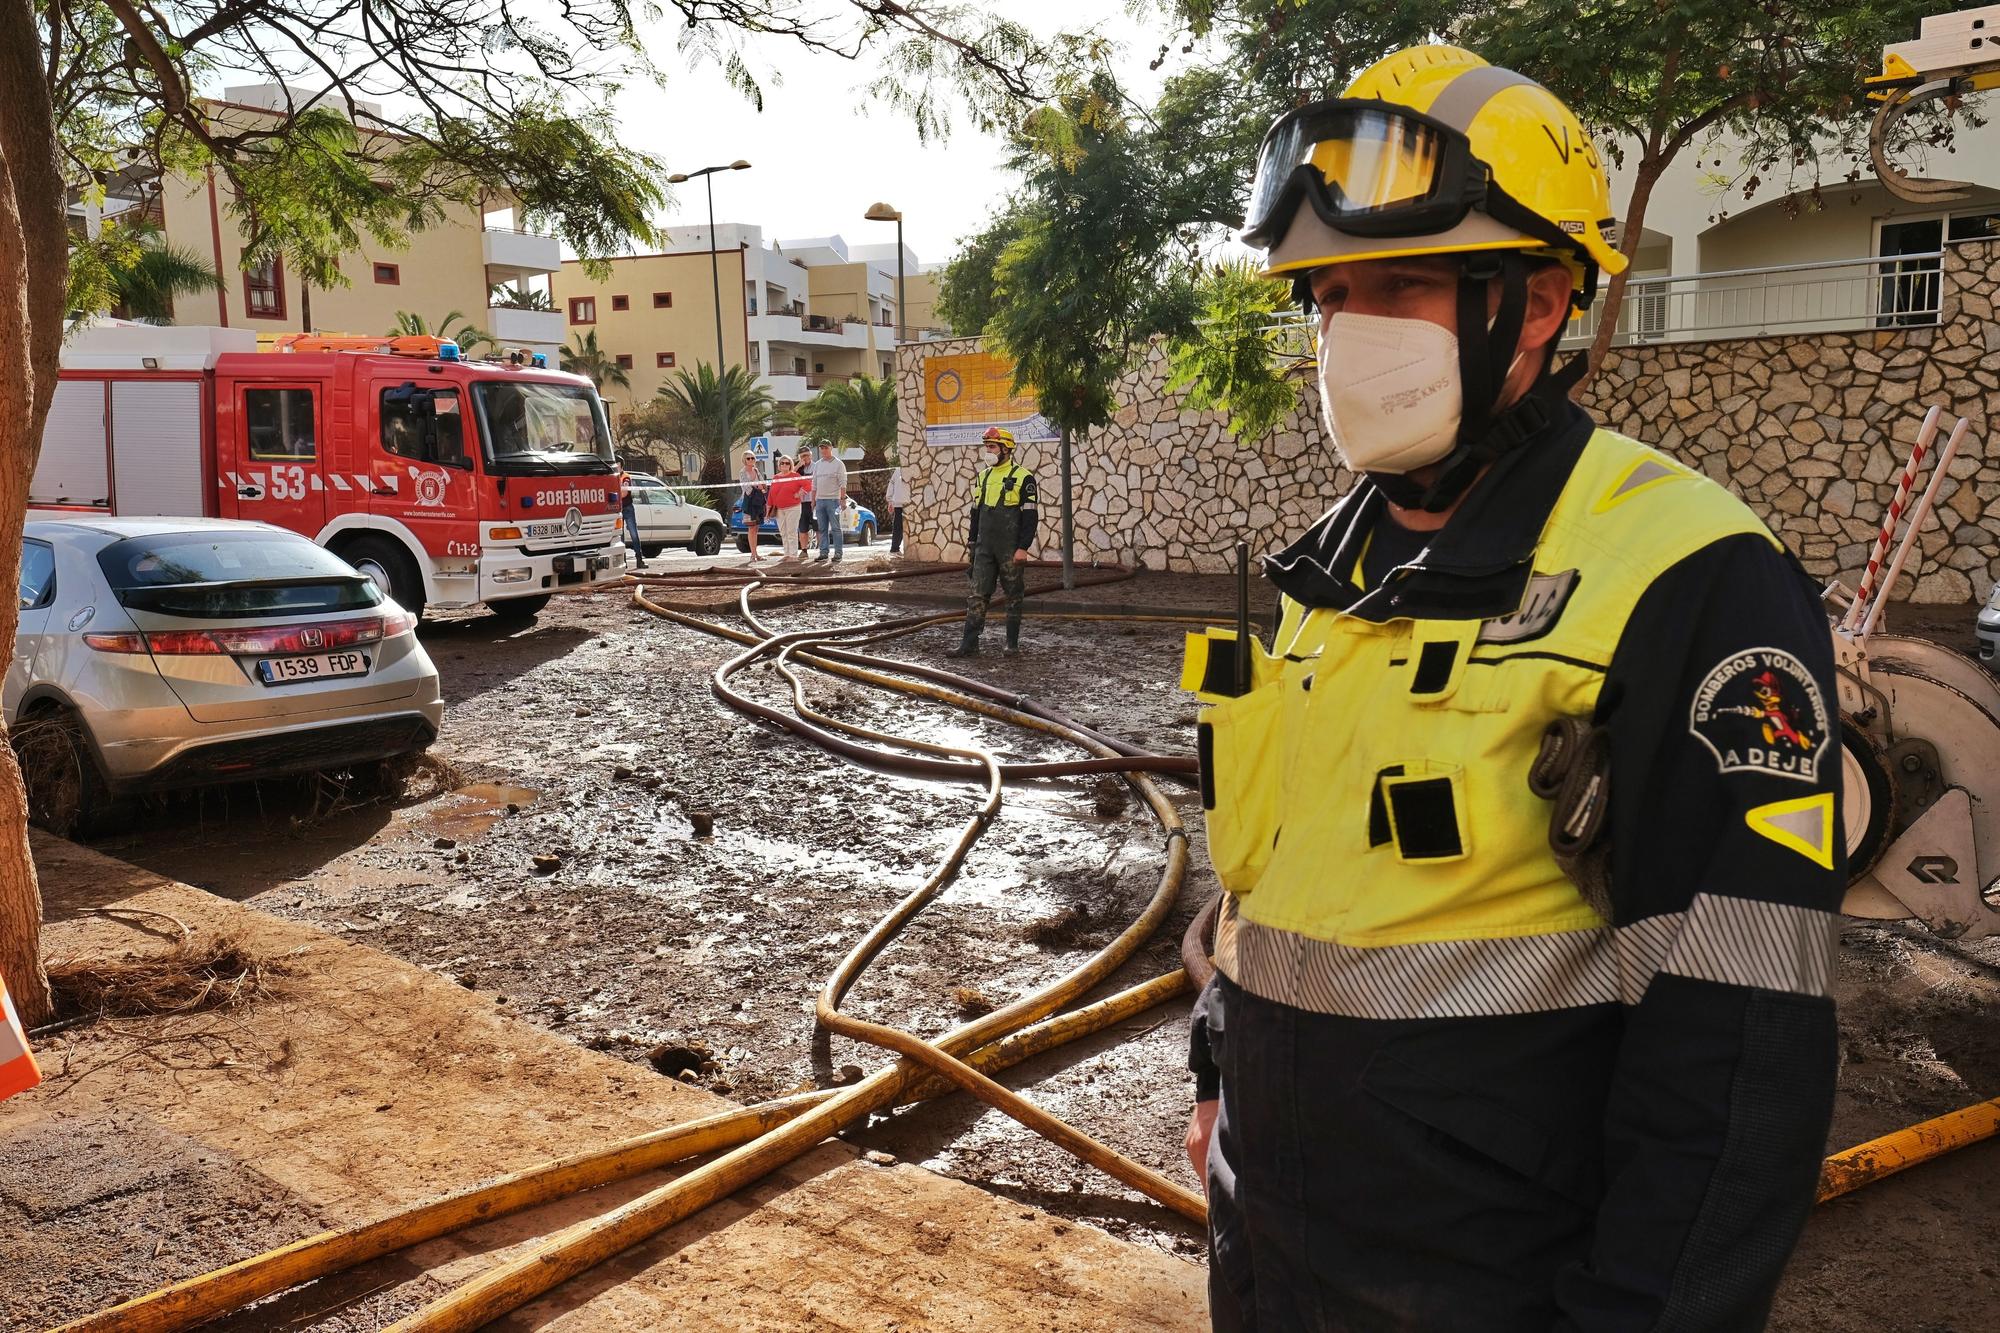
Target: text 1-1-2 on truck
(450, 483)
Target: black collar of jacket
(1478, 564)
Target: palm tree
(860, 411)
(702, 398)
(509, 297)
(454, 327)
(144, 273)
(584, 357)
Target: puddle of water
(482, 805)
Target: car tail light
(274, 640)
(116, 643)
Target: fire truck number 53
(288, 483)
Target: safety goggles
(1370, 169)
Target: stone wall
(1811, 429)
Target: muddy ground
(592, 738)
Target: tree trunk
(1068, 525)
(1630, 229)
(34, 267)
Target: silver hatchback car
(159, 653)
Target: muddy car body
(168, 653)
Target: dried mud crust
(597, 727)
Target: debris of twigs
(193, 975)
(1061, 929)
(971, 1002)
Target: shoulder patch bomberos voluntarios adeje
(1760, 711)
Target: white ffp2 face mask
(1390, 391)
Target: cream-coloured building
(801, 314)
(449, 267)
(654, 314)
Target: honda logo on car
(312, 638)
(573, 495)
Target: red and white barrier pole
(1890, 522)
(1917, 517)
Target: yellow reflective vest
(1367, 800)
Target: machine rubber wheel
(866, 535)
(709, 540)
(743, 545)
(652, 552)
(520, 610)
(1867, 799)
(66, 794)
(389, 568)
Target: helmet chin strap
(1487, 352)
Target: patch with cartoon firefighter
(1760, 711)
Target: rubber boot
(1013, 637)
(967, 646)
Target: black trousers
(1420, 1176)
(896, 531)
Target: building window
(583, 310)
(664, 360)
(623, 360)
(389, 275)
(663, 300)
(621, 303)
(264, 290)
(1973, 227)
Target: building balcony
(516, 328)
(1842, 295)
(786, 388)
(512, 255)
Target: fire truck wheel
(520, 608)
(709, 540)
(388, 567)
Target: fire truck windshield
(539, 428)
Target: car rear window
(230, 575)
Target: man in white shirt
(829, 476)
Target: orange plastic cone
(17, 1063)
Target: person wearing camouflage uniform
(1002, 531)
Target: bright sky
(820, 153)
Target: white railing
(1884, 292)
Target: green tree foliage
(718, 413)
(1242, 356)
(506, 296)
(860, 412)
(584, 357)
(131, 271)
(454, 327)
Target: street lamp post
(884, 213)
(715, 283)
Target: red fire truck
(448, 482)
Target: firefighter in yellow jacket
(1001, 532)
(1529, 817)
